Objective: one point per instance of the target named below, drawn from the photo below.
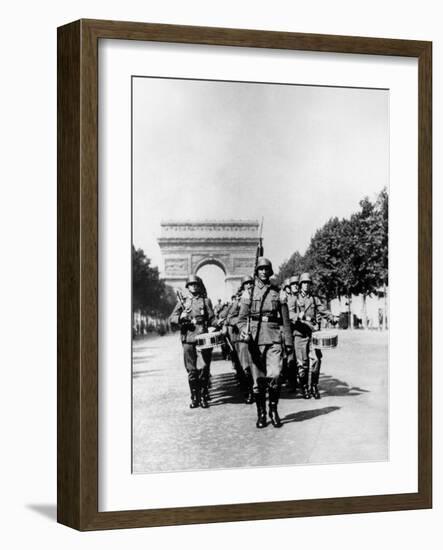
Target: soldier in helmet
(261, 315)
(194, 314)
(291, 371)
(305, 312)
(287, 286)
(229, 330)
(241, 349)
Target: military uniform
(199, 316)
(267, 313)
(241, 348)
(290, 364)
(305, 312)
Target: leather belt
(265, 318)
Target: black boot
(304, 383)
(204, 397)
(195, 397)
(292, 381)
(260, 401)
(249, 396)
(314, 391)
(249, 399)
(273, 413)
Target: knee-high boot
(194, 386)
(304, 375)
(260, 401)
(314, 384)
(249, 398)
(274, 394)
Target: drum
(325, 339)
(208, 340)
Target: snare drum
(208, 340)
(324, 339)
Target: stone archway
(187, 246)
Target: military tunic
(268, 314)
(241, 347)
(305, 311)
(200, 316)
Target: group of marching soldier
(268, 330)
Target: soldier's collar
(260, 283)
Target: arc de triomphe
(189, 245)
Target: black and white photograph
(260, 282)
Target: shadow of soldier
(301, 416)
(330, 386)
(225, 389)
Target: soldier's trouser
(305, 354)
(244, 356)
(197, 372)
(266, 367)
(291, 369)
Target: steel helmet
(305, 278)
(193, 279)
(286, 283)
(294, 280)
(246, 279)
(264, 262)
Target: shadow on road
(225, 389)
(337, 388)
(329, 387)
(140, 373)
(300, 416)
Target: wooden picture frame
(77, 456)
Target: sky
(295, 155)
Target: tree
(382, 235)
(325, 258)
(349, 256)
(149, 293)
(293, 266)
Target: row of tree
(150, 294)
(349, 256)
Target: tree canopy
(149, 293)
(347, 256)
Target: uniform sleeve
(212, 320)
(175, 315)
(322, 310)
(287, 333)
(243, 312)
(292, 310)
(229, 314)
(223, 316)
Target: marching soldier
(241, 349)
(230, 332)
(291, 289)
(261, 314)
(219, 308)
(305, 312)
(287, 287)
(194, 314)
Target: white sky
(296, 155)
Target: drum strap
(205, 315)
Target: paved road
(348, 424)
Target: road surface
(348, 424)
